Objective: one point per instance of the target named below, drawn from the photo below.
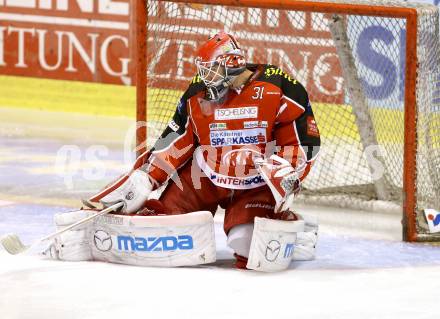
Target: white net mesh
(301, 44)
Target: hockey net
(372, 73)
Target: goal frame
(409, 230)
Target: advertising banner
(93, 41)
(86, 40)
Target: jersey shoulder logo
(274, 71)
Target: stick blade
(13, 244)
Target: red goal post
(412, 230)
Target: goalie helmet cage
(371, 69)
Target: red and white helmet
(219, 61)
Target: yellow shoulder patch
(270, 71)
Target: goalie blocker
(164, 241)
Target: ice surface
(351, 278)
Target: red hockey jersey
(270, 114)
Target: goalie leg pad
(273, 244)
(163, 241)
(72, 245)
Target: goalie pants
(241, 206)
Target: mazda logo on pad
(272, 250)
(102, 240)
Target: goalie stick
(14, 246)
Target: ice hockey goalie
(243, 137)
